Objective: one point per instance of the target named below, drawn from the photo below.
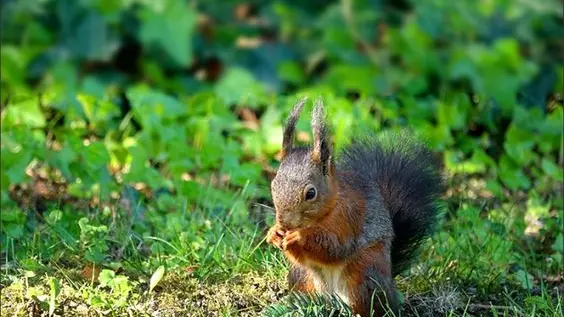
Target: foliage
(309, 305)
(139, 136)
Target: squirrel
(350, 223)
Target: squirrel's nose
(288, 222)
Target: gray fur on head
(288, 138)
(296, 174)
(301, 169)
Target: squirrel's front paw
(275, 236)
(291, 238)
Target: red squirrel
(349, 223)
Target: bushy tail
(410, 183)
(411, 186)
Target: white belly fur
(331, 280)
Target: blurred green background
(167, 108)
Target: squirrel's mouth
(290, 223)
(297, 221)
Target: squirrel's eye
(310, 193)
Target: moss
(177, 294)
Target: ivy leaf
(512, 175)
(151, 106)
(25, 113)
(171, 27)
(550, 168)
(271, 129)
(62, 160)
(92, 39)
(238, 86)
(106, 276)
(519, 144)
(65, 77)
(524, 278)
(13, 60)
(95, 156)
(14, 163)
(291, 72)
(351, 77)
(14, 230)
(244, 173)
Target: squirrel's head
(303, 188)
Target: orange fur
(356, 275)
(337, 218)
(326, 236)
(305, 285)
(274, 237)
(343, 216)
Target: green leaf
(508, 50)
(478, 163)
(26, 113)
(539, 302)
(552, 169)
(62, 160)
(91, 39)
(15, 164)
(13, 215)
(238, 86)
(156, 277)
(512, 175)
(55, 290)
(291, 72)
(244, 173)
(524, 278)
(558, 245)
(152, 106)
(105, 277)
(14, 61)
(14, 230)
(95, 156)
(93, 86)
(64, 87)
(519, 144)
(352, 77)
(271, 130)
(170, 25)
(54, 216)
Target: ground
(487, 259)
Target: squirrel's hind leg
(371, 285)
(300, 280)
(377, 298)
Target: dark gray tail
(410, 183)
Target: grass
(102, 261)
(206, 103)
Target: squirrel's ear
(330, 169)
(288, 138)
(321, 144)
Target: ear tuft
(321, 144)
(288, 137)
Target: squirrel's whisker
(265, 206)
